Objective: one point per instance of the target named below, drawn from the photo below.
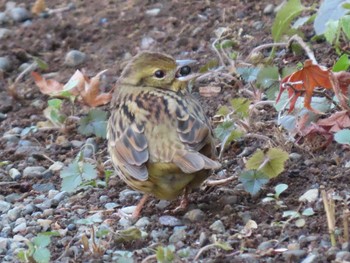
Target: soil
(110, 32)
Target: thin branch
(221, 181)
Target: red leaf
(336, 121)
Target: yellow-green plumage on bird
(159, 138)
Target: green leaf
(227, 43)
(211, 64)
(226, 132)
(94, 123)
(270, 163)
(55, 103)
(342, 64)
(290, 10)
(329, 10)
(267, 77)
(345, 24)
(41, 63)
(241, 106)
(223, 110)
(223, 245)
(248, 74)
(165, 254)
(128, 235)
(332, 28)
(291, 214)
(102, 233)
(42, 255)
(41, 241)
(279, 189)
(253, 181)
(88, 171)
(346, 5)
(342, 136)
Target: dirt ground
(110, 32)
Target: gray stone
(45, 224)
(264, 246)
(75, 58)
(203, 239)
(310, 196)
(218, 226)
(342, 256)
(127, 194)
(162, 204)
(4, 206)
(45, 205)
(110, 206)
(142, 222)
(246, 258)
(24, 66)
(170, 221)
(19, 14)
(56, 166)
(268, 10)
(258, 25)
(4, 19)
(5, 33)
(195, 215)
(4, 244)
(15, 174)
(104, 198)
(33, 172)
(292, 255)
(153, 12)
(60, 196)
(5, 64)
(179, 234)
(14, 213)
(295, 156)
(38, 103)
(43, 188)
(311, 258)
(51, 194)
(3, 116)
(28, 209)
(20, 228)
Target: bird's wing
(128, 145)
(195, 133)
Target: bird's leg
(139, 207)
(184, 202)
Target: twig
(329, 207)
(346, 214)
(150, 257)
(268, 45)
(221, 181)
(202, 250)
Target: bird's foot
(136, 213)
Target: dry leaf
(336, 121)
(47, 86)
(209, 91)
(38, 7)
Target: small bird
(159, 139)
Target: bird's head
(157, 70)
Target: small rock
(268, 10)
(142, 222)
(153, 12)
(203, 239)
(218, 226)
(294, 255)
(45, 224)
(258, 25)
(14, 213)
(264, 246)
(342, 256)
(170, 221)
(110, 206)
(28, 150)
(11, 198)
(22, 67)
(158, 235)
(311, 258)
(90, 148)
(28, 209)
(75, 58)
(309, 196)
(48, 212)
(5, 33)
(51, 194)
(104, 198)
(60, 196)
(4, 244)
(33, 172)
(179, 234)
(3, 18)
(56, 166)
(4, 206)
(20, 228)
(128, 209)
(72, 227)
(19, 14)
(43, 188)
(127, 194)
(124, 222)
(5, 64)
(162, 204)
(295, 156)
(147, 42)
(3, 116)
(76, 143)
(246, 258)
(195, 215)
(14, 174)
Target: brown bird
(159, 138)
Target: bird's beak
(186, 62)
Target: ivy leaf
(342, 64)
(253, 181)
(342, 136)
(41, 241)
(94, 123)
(248, 74)
(290, 10)
(42, 255)
(270, 163)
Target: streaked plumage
(159, 138)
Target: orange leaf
(305, 81)
(336, 121)
(47, 86)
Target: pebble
(153, 12)
(162, 204)
(33, 172)
(295, 255)
(48, 212)
(20, 228)
(195, 215)
(22, 67)
(104, 198)
(14, 213)
(124, 222)
(258, 25)
(264, 246)
(19, 14)
(43, 188)
(4, 19)
(159, 234)
(128, 209)
(28, 209)
(5, 64)
(246, 258)
(110, 206)
(127, 194)
(147, 42)
(311, 258)
(342, 256)
(295, 156)
(310, 196)
(60, 196)
(75, 58)
(217, 226)
(170, 221)
(203, 239)
(90, 148)
(56, 166)
(51, 194)
(5, 33)
(72, 227)
(142, 222)
(268, 10)
(179, 234)
(3, 116)
(4, 206)
(15, 174)
(4, 244)
(45, 224)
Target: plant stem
(330, 213)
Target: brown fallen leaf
(38, 7)
(209, 91)
(336, 121)
(47, 86)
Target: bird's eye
(184, 71)
(159, 74)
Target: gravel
(75, 58)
